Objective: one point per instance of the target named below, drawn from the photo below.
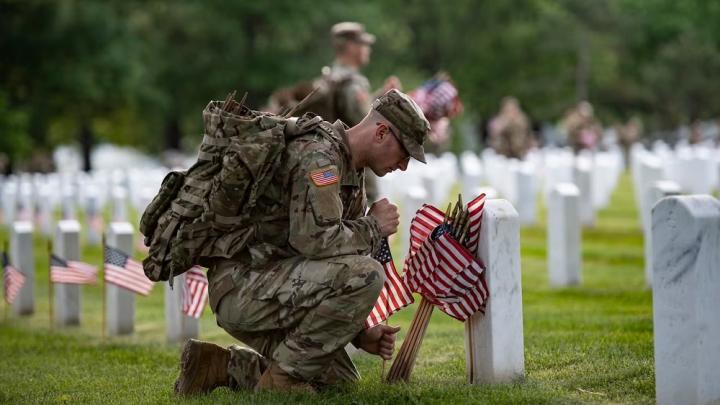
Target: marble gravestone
(653, 194)
(66, 304)
(686, 281)
(21, 257)
(178, 326)
(9, 202)
(120, 310)
(119, 204)
(494, 343)
(582, 177)
(525, 194)
(93, 217)
(564, 231)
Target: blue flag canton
(57, 261)
(383, 254)
(440, 230)
(115, 256)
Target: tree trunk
(173, 136)
(87, 140)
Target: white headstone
(686, 270)
(179, 327)
(45, 211)
(494, 341)
(93, 218)
(525, 192)
(10, 199)
(119, 204)
(21, 256)
(649, 171)
(67, 296)
(69, 206)
(653, 194)
(582, 177)
(120, 302)
(564, 231)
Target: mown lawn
(589, 344)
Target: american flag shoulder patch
(325, 176)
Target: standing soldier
(583, 130)
(303, 288)
(343, 93)
(510, 130)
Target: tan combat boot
(276, 379)
(203, 367)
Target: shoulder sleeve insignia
(325, 176)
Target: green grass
(589, 344)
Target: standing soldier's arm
(317, 229)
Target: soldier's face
(389, 153)
(360, 52)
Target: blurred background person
(440, 102)
(627, 135)
(509, 131)
(584, 132)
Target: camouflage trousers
(299, 313)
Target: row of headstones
(34, 198)
(696, 169)
(684, 268)
(119, 302)
(686, 230)
(496, 355)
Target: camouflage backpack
(204, 212)
(319, 97)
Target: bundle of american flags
(438, 266)
(71, 272)
(126, 272)
(13, 279)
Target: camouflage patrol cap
(351, 31)
(409, 120)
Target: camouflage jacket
(315, 205)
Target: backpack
(204, 212)
(323, 96)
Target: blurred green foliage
(140, 72)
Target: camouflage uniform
(301, 291)
(300, 294)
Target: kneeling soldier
(302, 290)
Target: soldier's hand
(379, 339)
(387, 216)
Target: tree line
(139, 73)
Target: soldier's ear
(382, 131)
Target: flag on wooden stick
(13, 279)
(195, 295)
(71, 272)
(126, 272)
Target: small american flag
(125, 272)
(324, 177)
(71, 272)
(13, 279)
(394, 295)
(196, 292)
